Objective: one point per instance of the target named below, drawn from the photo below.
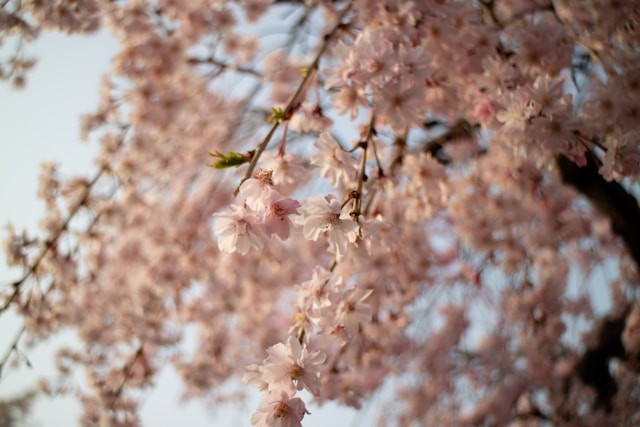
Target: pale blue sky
(40, 123)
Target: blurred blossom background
(40, 123)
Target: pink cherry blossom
(622, 157)
(400, 105)
(256, 191)
(310, 119)
(275, 216)
(279, 410)
(293, 363)
(288, 170)
(325, 215)
(353, 310)
(517, 111)
(237, 230)
(335, 164)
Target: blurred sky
(40, 123)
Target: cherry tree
(345, 200)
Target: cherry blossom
(237, 230)
(325, 215)
(275, 216)
(622, 157)
(257, 189)
(475, 261)
(279, 411)
(309, 119)
(400, 105)
(353, 310)
(335, 164)
(293, 362)
(517, 111)
(288, 170)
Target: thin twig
(293, 101)
(224, 66)
(257, 86)
(11, 349)
(126, 375)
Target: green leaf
(230, 160)
(276, 114)
(304, 71)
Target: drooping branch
(291, 105)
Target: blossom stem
(126, 375)
(400, 144)
(357, 202)
(375, 155)
(12, 348)
(283, 142)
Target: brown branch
(622, 209)
(253, 92)
(16, 339)
(11, 349)
(610, 198)
(50, 243)
(126, 375)
(487, 8)
(593, 367)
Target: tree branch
(610, 198)
(224, 66)
(288, 110)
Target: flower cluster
(325, 307)
(326, 303)
(289, 367)
(265, 214)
